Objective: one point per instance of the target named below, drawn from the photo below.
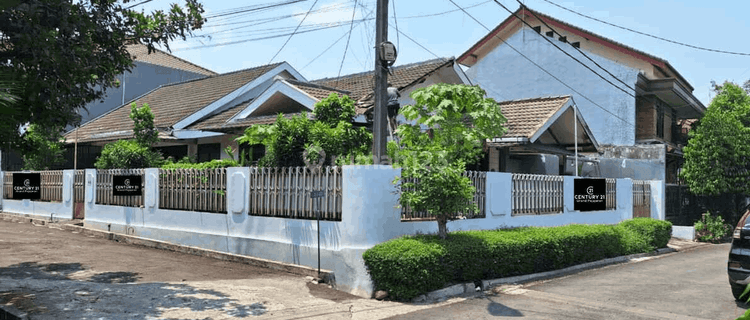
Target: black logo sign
(27, 186)
(590, 194)
(127, 185)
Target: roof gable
(511, 25)
(545, 121)
(171, 103)
(139, 52)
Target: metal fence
(51, 183)
(537, 194)
(193, 189)
(611, 193)
(286, 192)
(641, 199)
(478, 180)
(79, 185)
(104, 194)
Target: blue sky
(718, 25)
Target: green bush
(127, 154)
(658, 232)
(213, 164)
(711, 229)
(412, 265)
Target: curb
(468, 288)
(326, 275)
(11, 313)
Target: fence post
(151, 189)
(568, 194)
(67, 192)
(499, 195)
(237, 190)
(90, 187)
(658, 198)
(625, 198)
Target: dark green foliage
(127, 154)
(413, 265)
(658, 232)
(711, 229)
(213, 164)
(63, 54)
(44, 148)
(143, 125)
(288, 138)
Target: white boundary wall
(370, 216)
(50, 210)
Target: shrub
(213, 164)
(658, 232)
(126, 154)
(412, 265)
(711, 229)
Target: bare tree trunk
(442, 221)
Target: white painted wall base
(683, 232)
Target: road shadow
(44, 291)
(499, 310)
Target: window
(175, 152)
(209, 151)
(254, 152)
(660, 121)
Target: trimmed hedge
(412, 265)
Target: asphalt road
(681, 285)
(50, 273)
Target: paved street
(55, 274)
(682, 285)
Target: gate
(78, 194)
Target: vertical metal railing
(641, 198)
(478, 180)
(104, 194)
(611, 193)
(8, 185)
(51, 185)
(193, 189)
(285, 192)
(537, 194)
(79, 183)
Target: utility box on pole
(380, 112)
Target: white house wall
(506, 75)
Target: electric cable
(649, 35)
(563, 51)
(346, 48)
(579, 49)
(138, 4)
(395, 20)
(261, 7)
(540, 67)
(291, 35)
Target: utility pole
(380, 113)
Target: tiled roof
(362, 84)
(161, 58)
(170, 103)
(525, 117)
(219, 120)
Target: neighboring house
(637, 131)
(179, 106)
(202, 117)
(540, 131)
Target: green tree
(717, 156)
(64, 54)
(134, 153)
(332, 131)
(45, 148)
(459, 119)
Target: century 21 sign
(27, 186)
(590, 194)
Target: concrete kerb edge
(468, 288)
(10, 310)
(326, 275)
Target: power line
(648, 35)
(563, 51)
(577, 48)
(538, 66)
(251, 9)
(138, 4)
(346, 48)
(395, 20)
(292, 35)
(255, 39)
